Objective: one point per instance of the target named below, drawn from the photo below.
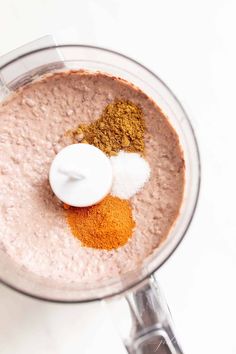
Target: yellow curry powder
(120, 127)
(106, 225)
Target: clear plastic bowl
(20, 69)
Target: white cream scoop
(81, 175)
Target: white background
(191, 46)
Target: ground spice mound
(120, 127)
(106, 225)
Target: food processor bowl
(44, 56)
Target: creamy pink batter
(33, 229)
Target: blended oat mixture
(33, 228)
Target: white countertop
(191, 46)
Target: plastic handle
(144, 320)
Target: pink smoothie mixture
(33, 227)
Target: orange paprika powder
(107, 225)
